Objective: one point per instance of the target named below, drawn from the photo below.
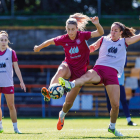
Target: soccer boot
(115, 132)
(45, 93)
(65, 84)
(17, 131)
(132, 124)
(1, 129)
(60, 123)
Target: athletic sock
(62, 115)
(112, 125)
(1, 124)
(128, 119)
(15, 126)
(72, 84)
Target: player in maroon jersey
(76, 56)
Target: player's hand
(23, 86)
(95, 20)
(36, 48)
(92, 48)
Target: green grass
(74, 129)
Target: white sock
(128, 119)
(72, 84)
(15, 126)
(62, 114)
(1, 124)
(112, 125)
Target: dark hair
(127, 32)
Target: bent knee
(91, 76)
(63, 72)
(115, 106)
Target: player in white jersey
(8, 59)
(110, 63)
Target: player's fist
(92, 48)
(95, 20)
(36, 48)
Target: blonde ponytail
(79, 20)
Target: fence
(90, 103)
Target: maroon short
(7, 90)
(107, 74)
(76, 73)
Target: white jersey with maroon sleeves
(112, 54)
(6, 69)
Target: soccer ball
(56, 91)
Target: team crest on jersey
(78, 41)
(112, 50)
(74, 50)
(66, 44)
(2, 64)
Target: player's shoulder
(61, 38)
(10, 49)
(83, 32)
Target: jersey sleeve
(58, 40)
(14, 56)
(87, 35)
(101, 40)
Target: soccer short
(107, 74)
(7, 90)
(76, 73)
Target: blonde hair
(127, 32)
(6, 34)
(79, 20)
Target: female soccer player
(123, 101)
(110, 63)
(8, 59)
(76, 56)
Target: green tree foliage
(66, 7)
(116, 7)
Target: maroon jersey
(76, 51)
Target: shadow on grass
(84, 137)
(23, 133)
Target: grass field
(74, 129)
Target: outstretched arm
(17, 70)
(95, 45)
(100, 30)
(43, 45)
(132, 39)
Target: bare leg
(63, 71)
(90, 76)
(11, 106)
(66, 106)
(70, 97)
(114, 96)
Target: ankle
(62, 114)
(112, 125)
(15, 126)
